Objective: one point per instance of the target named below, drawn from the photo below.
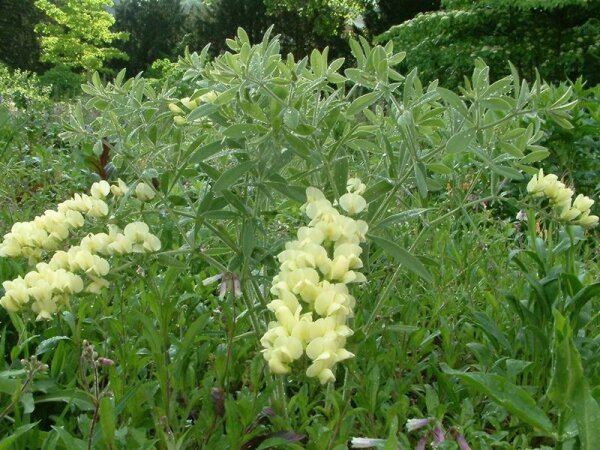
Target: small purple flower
(415, 424)
(229, 281)
(460, 440)
(438, 434)
(106, 362)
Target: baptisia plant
(61, 271)
(312, 302)
(576, 211)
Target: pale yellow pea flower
(144, 192)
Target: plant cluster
(451, 302)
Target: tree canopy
(77, 33)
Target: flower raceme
(312, 301)
(79, 268)
(561, 198)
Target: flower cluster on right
(576, 211)
(314, 275)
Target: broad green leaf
(27, 402)
(583, 296)
(362, 102)
(507, 172)
(587, 416)
(232, 176)
(439, 168)
(496, 104)
(340, 174)
(241, 130)
(294, 192)
(107, 420)
(453, 100)
(460, 141)
(377, 190)
(8, 385)
(206, 151)
(167, 260)
(226, 96)
(406, 259)
(49, 344)
(203, 110)
(247, 238)
(74, 397)
(513, 398)
(535, 156)
(291, 118)
(421, 179)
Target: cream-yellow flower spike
(312, 302)
(561, 198)
(52, 283)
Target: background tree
(380, 15)
(77, 33)
(308, 24)
(560, 38)
(303, 24)
(18, 44)
(155, 29)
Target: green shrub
(560, 39)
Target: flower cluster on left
(61, 270)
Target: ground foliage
(462, 300)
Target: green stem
(280, 397)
